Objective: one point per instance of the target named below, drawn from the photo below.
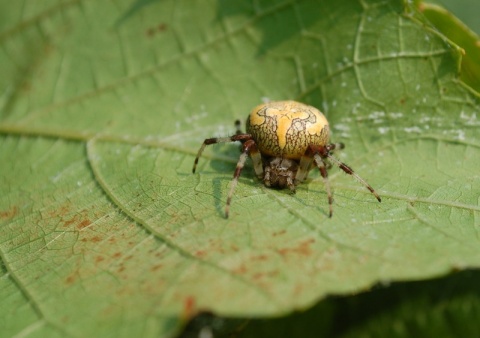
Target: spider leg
(247, 148)
(291, 182)
(306, 161)
(266, 177)
(350, 171)
(238, 126)
(237, 137)
(323, 171)
(303, 167)
(334, 146)
(254, 153)
(257, 160)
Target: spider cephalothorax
(285, 139)
(280, 173)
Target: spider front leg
(303, 168)
(238, 127)
(237, 137)
(248, 148)
(319, 154)
(312, 154)
(306, 161)
(350, 171)
(323, 171)
(332, 147)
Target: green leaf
(104, 230)
(463, 36)
(465, 10)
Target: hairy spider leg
(291, 182)
(350, 171)
(237, 137)
(321, 153)
(238, 126)
(254, 153)
(249, 147)
(303, 168)
(323, 171)
(334, 146)
(306, 161)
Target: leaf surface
(103, 228)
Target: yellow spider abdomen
(286, 128)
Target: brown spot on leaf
(303, 248)
(79, 220)
(70, 222)
(260, 258)
(70, 279)
(278, 233)
(156, 267)
(200, 253)
(162, 27)
(96, 239)
(83, 224)
(117, 255)
(265, 274)
(152, 31)
(10, 213)
(59, 212)
(242, 269)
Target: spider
(285, 140)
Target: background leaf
(105, 231)
(465, 10)
(461, 35)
